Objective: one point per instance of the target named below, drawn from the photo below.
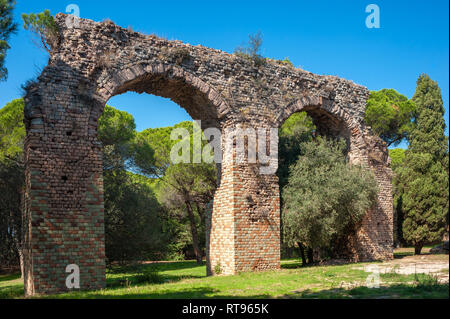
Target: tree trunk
(310, 254)
(418, 249)
(17, 238)
(302, 253)
(18, 245)
(197, 252)
(21, 264)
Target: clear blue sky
(324, 37)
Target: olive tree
(325, 197)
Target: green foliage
(12, 181)
(390, 115)
(397, 156)
(286, 61)
(116, 132)
(133, 223)
(423, 184)
(325, 197)
(197, 180)
(12, 130)
(11, 189)
(150, 275)
(43, 25)
(186, 192)
(423, 177)
(298, 128)
(184, 189)
(217, 269)
(428, 135)
(133, 215)
(115, 126)
(7, 27)
(253, 49)
(152, 149)
(298, 124)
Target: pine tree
(7, 27)
(424, 177)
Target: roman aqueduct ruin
(63, 209)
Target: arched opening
(150, 111)
(315, 132)
(176, 194)
(199, 100)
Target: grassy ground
(187, 280)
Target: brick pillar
(374, 238)
(63, 211)
(244, 228)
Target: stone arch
(64, 206)
(322, 110)
(330, 119)
(372, 238)
(197, 97)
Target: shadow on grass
(9, 277)
(133, 275)
(11, 290)
(179, 265)
(403, 254)
(398, 291)
(160, 266)
(292, 265)
(191, 293)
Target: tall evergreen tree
(428, 135)
(423, 179)
(7, 27)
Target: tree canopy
(12, 130)
(298, 128)
(325, 197)
(7, 27)
(12, 181)
(390, 115)
(428, 134)
(185, 188)
(44, 27)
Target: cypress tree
(423, 178)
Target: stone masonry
(91, 62)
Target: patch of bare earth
(436, 265)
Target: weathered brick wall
(95, 61)
(64, 209)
